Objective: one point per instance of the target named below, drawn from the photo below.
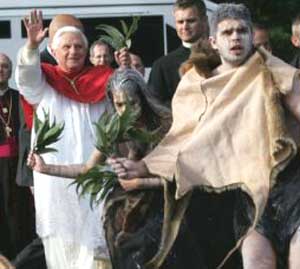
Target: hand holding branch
(122, 57)
(36, 162)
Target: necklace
(7, 128)
(73, 81)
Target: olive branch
(116, 38)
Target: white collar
(187, 44)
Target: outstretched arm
(37, 163)
(141, 183)
(134, 175)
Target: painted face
(122, 97)
(261, 38)
(5, 69)
(71, 52)
(233, 40)
(189, 26)
(101, 55)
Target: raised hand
(36, 162)
(34, 28)
(122, 58)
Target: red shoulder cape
(90, 84)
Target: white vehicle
(155, 37)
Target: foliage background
(277, 15)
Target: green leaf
(98, 180)
(127, 120)
(113, 127)
(110, 30)
(36, 123)
(40, 132)
(55, 131)
(114, 43)
(133, 27)
(47, 150)
(124, 27)
(87, 186)
(128, 43)
(142, 135)
(108, 186)
(46, 134)
(113, 32)
(101, 138)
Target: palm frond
(47, 133)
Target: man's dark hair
(229, 11)
(100, 43)
(199, 4)
(260, 26)
(265, 42)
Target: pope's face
(71, 52)
(122, 97)
(233, 40)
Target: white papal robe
(71, 231)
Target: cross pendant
(72, 82)
(8, 130)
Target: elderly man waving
(75, 94)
